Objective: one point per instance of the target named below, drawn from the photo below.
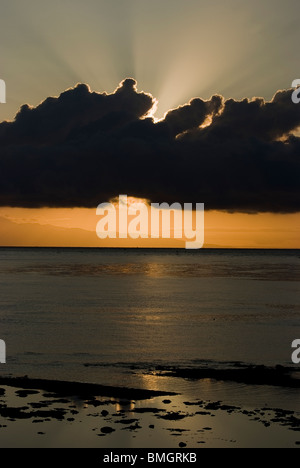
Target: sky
(239, 157)
(175, 49)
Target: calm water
(111, 316)
(64, 309)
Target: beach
(43, 413)
(129, 349)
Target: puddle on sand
(40, 419)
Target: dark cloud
(192, 115)
(54, 119)
(83, 148)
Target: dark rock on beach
(107, 430)
(148, 410)
(132, 427)
(84, 390)
(173, 416)
(251, 375)
(126, 421)
(26, 393)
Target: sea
(116, 316)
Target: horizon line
(144, 248)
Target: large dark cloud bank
(83, 148)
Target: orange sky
(200, 50)
(77, 227)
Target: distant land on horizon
(206, 248)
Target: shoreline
(278, 376)
(60, 414)
(84, 390)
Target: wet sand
(79, 388)
(44, 413)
